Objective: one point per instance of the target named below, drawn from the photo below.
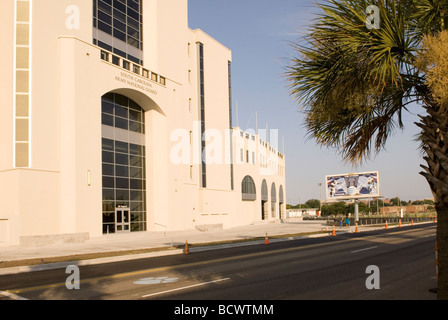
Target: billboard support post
(356, 211)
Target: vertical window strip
(232, 183)
(122, 22)
(202, 112)
(22, 83)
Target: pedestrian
(347, 222)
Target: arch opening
(264, 200)
(248, 190)
(273, 200)
(123, 164)
(281, 201)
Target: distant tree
(395, 201)
(336, 208)
(313, 203)
(299, 206)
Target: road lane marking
(12, 295)
(365, 249)
(184, 288)
(159, 280)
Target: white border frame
(342, 198)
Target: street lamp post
(320, 200)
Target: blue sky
(260, 34)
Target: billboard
(353, 186)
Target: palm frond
(430, 16)
(353, 83)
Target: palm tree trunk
(435, 144)
(442, 248)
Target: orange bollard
(386, 225)
(334, 231)
(412, 222)
(266, 240)
(399, 224)
(356, 229)
(186, 250)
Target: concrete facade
(54, 78)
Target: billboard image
(353, 186)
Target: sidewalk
(110, 248)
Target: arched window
(248, 190)
(264, 200)
(273, 193)
(264, 191)
(281, 195)
(281, 200)
(273, 200)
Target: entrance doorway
(264, 200)
(280, 213)
(122, 220)
(264, 213)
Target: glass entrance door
(122, 220)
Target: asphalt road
(329, 268)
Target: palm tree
(354, 80)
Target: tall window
(118, 27)
(123, 160)
(122, 113)
(273, 200)
(202, 114)
(22, 84)
(231, 125)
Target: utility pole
(320, 200)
